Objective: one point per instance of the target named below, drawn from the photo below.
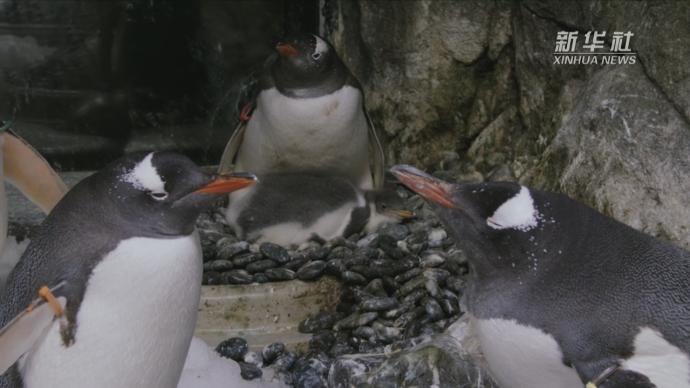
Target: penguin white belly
(135, 322)
(664, 364)
(523, 357)
(326, 133)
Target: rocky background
(471, 86)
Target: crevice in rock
(661, 90)
(654, 82)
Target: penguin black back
(603, 290)
(141, 195)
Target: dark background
(85, 81)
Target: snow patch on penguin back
(516, 213)
(145, 177)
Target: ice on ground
(204, 368)
(9, 257)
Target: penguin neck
(295, 84)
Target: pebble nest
(401, 284)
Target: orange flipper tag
(48, 296)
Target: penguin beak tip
(228, 183)
(427, 186)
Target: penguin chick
(386, 207)
(118, 263)
(561, 295)
(293, 208)
(305, 112)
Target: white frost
(517, 213)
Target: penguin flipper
(22, 332)
(27, 170)
(377, 156)
(227, 161)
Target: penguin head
(163, 191)
(388, 203)
(489, 219)
(304, 61)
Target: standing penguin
(305, 112)
(122, 258)
(292, 208)
(25, 169)
(561, 295)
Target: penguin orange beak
(228, 183)
(401, 213)
(425, 185)
(286, 50)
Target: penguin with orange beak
(305, 112)
(106, 294)
(560, 295)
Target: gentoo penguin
(292, 208)
(24, 168)
(123, 261)
(305, 112)
(561, 295)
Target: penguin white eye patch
(518, 213)
(144, 176)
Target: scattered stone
(433, 309)
(245, 259)
(355, 320)
(351, 277)
(335, 267)
(237, 276)
(379, 304)
(365, 332)
(227, 249)
(234, 348)
(275, 252)
(397, 231)
(279, 274)
(271, 352)
(322, 341)
(250, 371)
(254, 358)
(212, 278)
(436, 238)
(311, 270)
(432, 259)
(376, 288)
(261, 265)
(284, 362)
(260, 278)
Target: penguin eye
(158, 196)
(316, 56)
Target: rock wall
(472, 87)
